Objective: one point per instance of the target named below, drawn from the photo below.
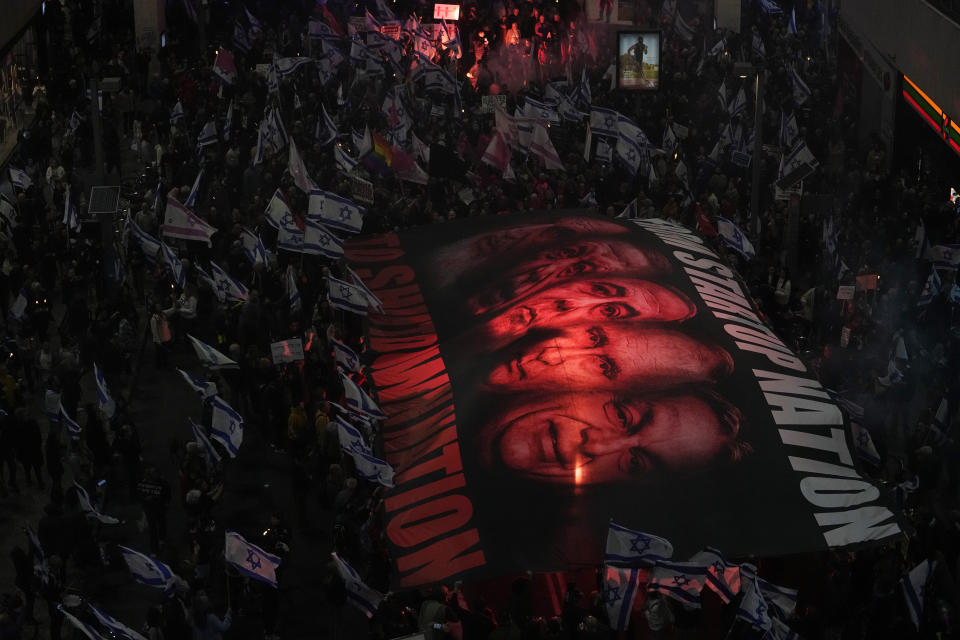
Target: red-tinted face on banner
(496, 247)
(602, 437)
(593, 300)
(592, 257)
(505, 243)
(609, 356)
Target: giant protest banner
(544, 374)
